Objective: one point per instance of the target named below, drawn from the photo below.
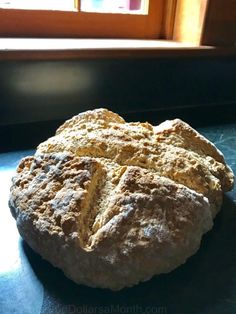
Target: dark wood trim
(116, 53)
(220, 24)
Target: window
(141, 19)
(206, 22)
(62, 5)
(101, 6)
(115, 6)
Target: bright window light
(61, 5)
(115, 6)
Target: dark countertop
(205, 284)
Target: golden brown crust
(114, 203)
(172, 149)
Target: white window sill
(53, 48)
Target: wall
(50, 90)
(47, 92)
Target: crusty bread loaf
(114, 203)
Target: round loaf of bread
(113, 203)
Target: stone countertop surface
(205, 284)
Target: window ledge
(48, 48)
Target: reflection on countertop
(20, 290)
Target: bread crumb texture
(113, 203)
